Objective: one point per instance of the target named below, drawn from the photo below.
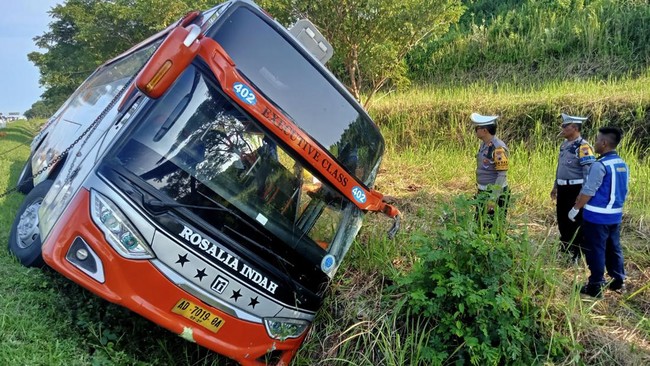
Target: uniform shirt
(575, 158)
(492, 163)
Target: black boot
(593, 290)
(617, 285)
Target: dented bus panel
(210, 179)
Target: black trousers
(570, 231)
(486, 216)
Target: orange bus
(210, 179)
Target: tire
(26, 179)
(25, 237)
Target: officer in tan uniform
(576, 156)
(491, 167)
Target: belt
(484, 187)
(569, 182)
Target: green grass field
(429, 164)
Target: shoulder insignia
(500, 158)
(586, 154)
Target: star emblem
(236, 294)
(182, 259)
(253, 302)
(200, 273)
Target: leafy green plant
(468, 284)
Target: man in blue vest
(601, 199)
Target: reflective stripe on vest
(603, 210)
(612, 194)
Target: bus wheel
(26, 180)
(25, 237)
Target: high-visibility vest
(606, 206)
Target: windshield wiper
(260, 246)
(160, 206)
(282, 262)
(157, 206)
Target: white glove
(573, 213)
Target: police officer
(491, 167)
(602, 198)
(576, 155)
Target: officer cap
(481, 120)
(566, 119)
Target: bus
(211, 179)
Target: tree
(39, 110)
(371, 37)
(86, 33)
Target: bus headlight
(284, 328)
(118, 231)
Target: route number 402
(244, 93)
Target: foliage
(371, 38)
(534, 40)
(39, 110)
(529, 114)
(383, 43)
(468, 283)
(86, 33)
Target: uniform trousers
(571, 237)
(602, 249)
(484, 214)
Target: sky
(22, 20)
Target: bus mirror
(171, 58)
(189, 18)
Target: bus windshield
(300, 88)
(198, 148)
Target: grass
(533, 41)
(47, 320)
(430, 160)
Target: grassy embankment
(511, 58)
(531, 42)
(47, 320)
(430, 161)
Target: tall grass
(430, 161)
(431, 136)
(539, 40)
(426, 115)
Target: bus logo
(219, 285)
(358, 194)
(244, 93)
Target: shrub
(468, 284)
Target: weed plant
(473, 285)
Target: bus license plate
(198, 314)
